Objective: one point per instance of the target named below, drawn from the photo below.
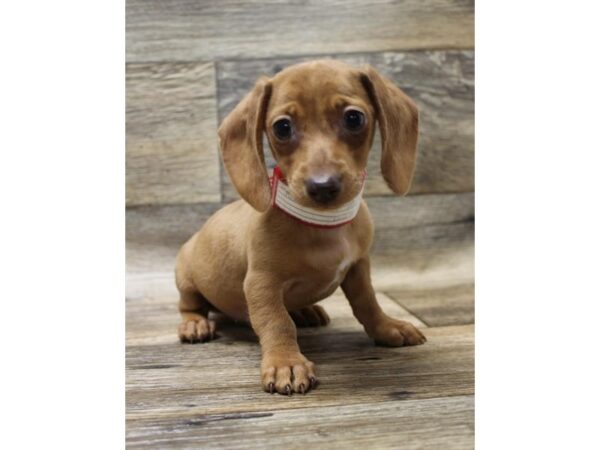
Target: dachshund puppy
(294, 239)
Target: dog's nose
(323, 191)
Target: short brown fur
(254, 263)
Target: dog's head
(320, 120)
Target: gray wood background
(190, 62)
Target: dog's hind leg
(195, 325)
(310, 316)
(193, 306)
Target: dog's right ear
(240, 139)
(398, 119)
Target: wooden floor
(209, 395)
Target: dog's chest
(321, 273)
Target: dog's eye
(354, 120)
(283, 129)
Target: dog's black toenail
(271, 388)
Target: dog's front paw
(397, 333)
(287, 373)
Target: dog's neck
(331, 218)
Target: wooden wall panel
(173, 224)
(189, 30)
(421, 221)
(441, 83)
(171, 152)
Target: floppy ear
(398, 118)
(240, 139)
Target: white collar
(282, 199)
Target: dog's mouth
(329, 212)
(321, 193)
(331, 196)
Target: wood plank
(403, 223)
(150, 275)
(184, 30)
(165, 378)
(169, 225)
(412, 249)
(172, 153)
(168, 382)
(397, 241)
(422, 268)
(440, 82)
(386, 303)
(223, 376)
(400, 222)
(449, 305)
(153, 320)
(443, 86)
(446, 423)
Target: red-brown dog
(288, 244)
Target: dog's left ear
(398, 119)
(241, 142)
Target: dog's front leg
(381, 327)
(283, 369)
